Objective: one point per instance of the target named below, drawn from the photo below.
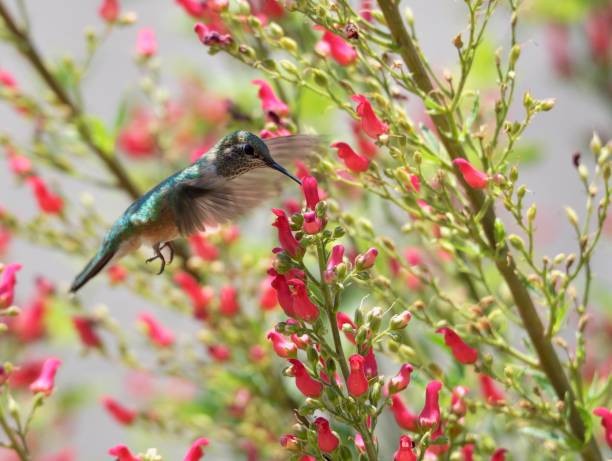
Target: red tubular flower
(7, 80)
(599, 33)
(20, 165)
(474, 178)
(430, 414)
(228, 301)
(403, 416)
(283, 293)
(365, 10)
(458, 405)
(307, 458)
(343, 319)
(5, 240)
(267, 297)
(326, 439)
(303, 381)
(201, 246)
(359, 443)
(310, 189)
(85, 327)
(291, 205)
(462, 352)
(491, 392)
(468, 452)
(277, 133)
(499, 455)
(29, 325)
(558, 44)
(48, 202)
(370, 123)
(289, 442)
(404, 451)
(303, 307)
(136, 138)
(606, 422)
(370, 364)
(220, 353)
(155, 331)
(357, 382)
(335, 258)
(353, 161)
(366, 260)
(119, 412)
(7, 284)
(196, 450)
(339, 49)
(209, 36)
(285, 237)
(122, 453)
(282, 346)
(270, 103)
(146, 43)
(365, 145)
(200, 296)
(401, 380)
(312, 223)
(46, 380)
(109, 10)
(117, 273)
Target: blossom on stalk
(401, 380)
(201, 246)
(326, 439)
(343, 319)
(303, 381)
(335, 258)
(499, 455)
(339, 49)
(353, 161)
(146, 43)
(403, 416)
(122, 453)
(364, 143)
(48, 202)
(117, 273)
(491, 392)
(270, 103)
(155, 331)
(285, 237)
(310, 189)
(209, 36)
(29, 325)
(312, 223)
(196, 450)
(119, 412)
(137, 138)
(366, 260)
(220, 352)
(282, 346)
(8, 280)
(558, 43)
(85, 327)
(370, 123)
(228, 301)
(430, 414)
(46, 380)
(267, 294)
(462, 352)
(400, 321)
(606, 422)
(200, 296)
(404, 451)
(109, 10)
(370, 365)
(476, 179)
(357, 382)
(458, 404)
(303, 307)
(599, 33)
(283, 292)
(7, 80)
(289, 442)
(468, 452)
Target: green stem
(21, 452)
(368, 441)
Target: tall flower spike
(326, 439)
(122, 453)
(310, 188)
(606, 422)
(462, 352)
(476, 179)
(156, 332)
(270, 103)
(196, 450)
(335, 258)
(303, 381)
(303, 307)
(46, 380)
(119, 412)
(282, 346)
(403, 416)
(357, 382)
(285, 237)
(370, 123)
(400, 381)
(353, 161)
(404, 451)
(430, 415)
(8, 280)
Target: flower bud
(399, 321)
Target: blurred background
(559, 60)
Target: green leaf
(100, 134)
(58, 323)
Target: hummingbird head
(242, 151)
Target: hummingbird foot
(159, 255)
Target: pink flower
(430, 414)
(370, 123)
(326, 439)
(202, 247)
(413, 256)
(117, 273)
(462, 352)
(85, 327)
(289, 442)
(458, 405)
(353, 161)
(370, 364)
(558, 44)
(357, 383)
(474, 178)
(606, 422)
(310, 189)
(267, 294)
(122, 453)
(404, 451)
(492, 393)
(7, 284)
(48, 202)
(335, 258)
(109, 10)
(277, 133)
(283, 347)
(312, 223)
(270, 103)
(499, 455)
(5, 240)
(228, 301)
(137, 138)
(20, 165)
(119, 412)
(46, 380)
(209, 36)
(343, 319)
(365, 10)
(366, 260)
(200, 296)
(220, 352)
(194, 8)
(146, 43)
(599, 33)
(365, 145)
(285, 237)
(196, 450)
(403, 416)
(157, 333)
(343, 53)
(283, 292)
(400, 381)
(29, 325)
(302, 305)
(468, 452)
(7, 79)
(303, 381)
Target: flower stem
(368, 441)
(20, 450)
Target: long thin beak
(283, 170)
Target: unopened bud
(288, 44)
(571, 216)
(399, 321)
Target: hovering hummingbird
(223, 184)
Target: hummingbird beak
(283, 170)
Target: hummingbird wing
(210, 200)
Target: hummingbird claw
(159, 255)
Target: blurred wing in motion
(199, 203)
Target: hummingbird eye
(248, 150)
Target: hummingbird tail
(92, 268)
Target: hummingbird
(229, 180)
